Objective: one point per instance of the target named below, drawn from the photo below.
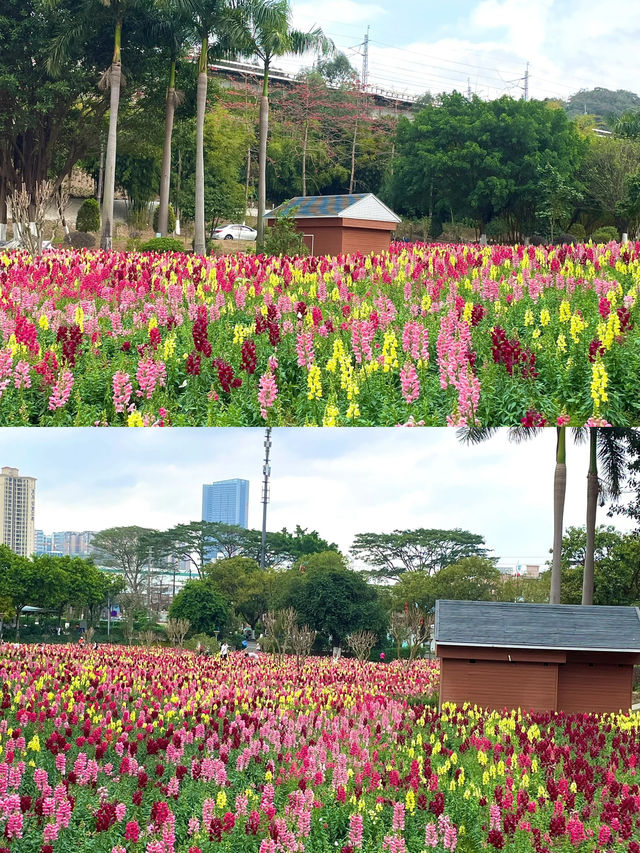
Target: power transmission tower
(468, 88)
(266, 471)
(526, 83)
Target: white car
(234, 232)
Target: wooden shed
(337, 224)
(543, 657)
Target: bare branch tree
(177, 630)
(28, 212)
(301, 642)
(361, 643)
(148, 637)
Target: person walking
(224, 650)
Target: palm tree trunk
(304, 158)
(199, 244)
(165, 177)
(262, 157)
(101, 174)
(559, 491)
(110, 164)
(592, 505)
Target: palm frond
(612, 456)
(475, 435)
(521, 433)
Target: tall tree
(171, 28)
(265, 31)
(208, 18)
(128, 549)
(389, 555)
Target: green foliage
(240, 580)
(578, 232)
(389, 555)
(283, 238)
(205, 608)
(203, 643)
(483, 159)
(88, 218)
(601, 103)
(330, 598)
(162, 244)
(605, 234)
(171, 219)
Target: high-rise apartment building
(226, 501)
(17, 511)
(66, 543)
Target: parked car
(234, 232)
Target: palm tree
(264, 30)
(111, 79)
(207, 17)
(474, 435)
(172, 28)
(607, 446)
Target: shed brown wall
(336, 236)
(496, 684)
(599, 688)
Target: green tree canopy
(128, 549)
(483, 159)
(206, 609)
(389, 555)
(330, 598)
(241, 582)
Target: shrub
(605, 234)
(88, 218)
(82, 240)
(202, 643)
(171, 220)
(577, 232)
(283, 239)
(162, 244)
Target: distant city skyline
(226, 501)
(338, 482)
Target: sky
(417, 46)
(337, 481)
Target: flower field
(424, 334)
(156, 751)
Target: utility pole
(526, 83)
(266, 471)
(365, 61)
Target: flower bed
(127, 749)
(433, 334)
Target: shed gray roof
(497, 624)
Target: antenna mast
(266, 471)
(365, 61)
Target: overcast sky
(337, 481)
(417, 45)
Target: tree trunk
(165, 177)
(246, 184)
(3, 208)
(353, 158)
(304, 158)
(592, 505)
(110, 165)
(63, 218)
(199, 243)
(101, 174)
(559, 490)
(262, 158)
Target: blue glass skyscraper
(226, 501)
